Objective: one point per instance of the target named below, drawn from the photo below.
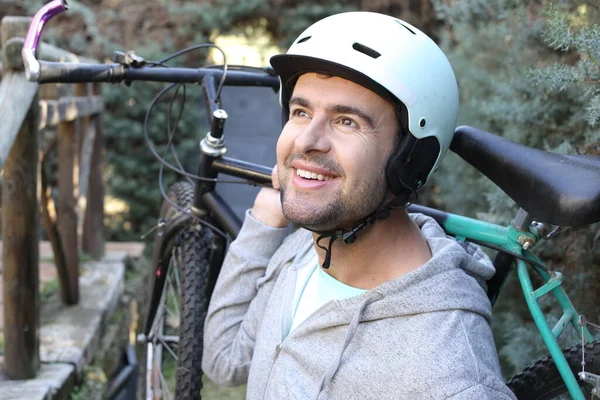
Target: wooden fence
(38, 121)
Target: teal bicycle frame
(518, 239)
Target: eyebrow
(338, 109)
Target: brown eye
(299, 113)
(347, 122)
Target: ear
(408, 168)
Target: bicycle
(195, 224)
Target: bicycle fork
(552, 284)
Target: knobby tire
(190, 254)
(541, 380)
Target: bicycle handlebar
(32, 66)
(70, 72)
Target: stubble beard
(339, 211)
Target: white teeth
(311, 175)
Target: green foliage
(132, 170)
(298, 19)
(94, 385)
(477, 12)
(155, 30)
(531, 73)
(583, 75)
(48, 290)
(80, 393)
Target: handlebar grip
(32, 66)
(69, 72)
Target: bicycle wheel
(541, 380)
(174, 352)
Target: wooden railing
(70, 119)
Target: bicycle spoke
(174, 293)
(168, 339)
(165, 335)
(594, 325)
(165, 386)
(175, 270)
(179, 262)
(174, 314)
(168, 347)
(158, 319)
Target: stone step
(69, 336)
(48, 271)
(53, 381)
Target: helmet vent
(406, 27)
(304, 39)
(366, 50)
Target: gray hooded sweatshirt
(423, 335)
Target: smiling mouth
(312, 175)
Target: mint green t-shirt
(314, 288)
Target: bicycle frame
(516, 240)
(513, 240)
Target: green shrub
(529, 71)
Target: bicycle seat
(553, 188)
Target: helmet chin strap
(349, 236)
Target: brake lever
(129, 59)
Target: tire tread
(541, 379)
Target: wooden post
(67, 216)
(48, 209)
(81, 125)
(20, 253)
(93, 227)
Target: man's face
(331, 154)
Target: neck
(384, 251)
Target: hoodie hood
(453, 279)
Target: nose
(314, 137)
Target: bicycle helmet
(395, 60)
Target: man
(365, 301)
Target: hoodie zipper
(277, 351)
(286, 307)
(279, 346)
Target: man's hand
(267, 205)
